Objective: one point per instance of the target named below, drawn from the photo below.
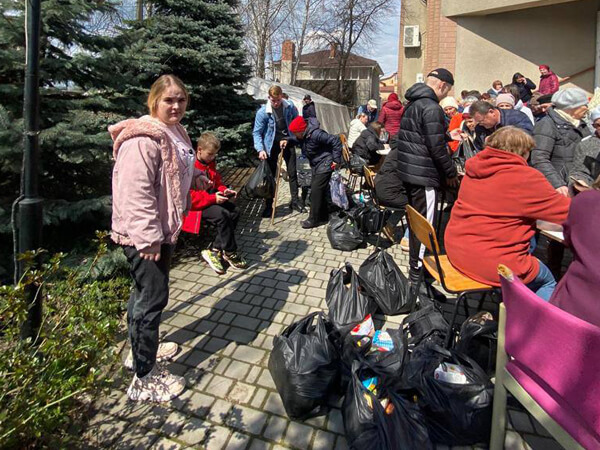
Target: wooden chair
(370, 182)
(354, 176)
(440, 268)
(549, 360)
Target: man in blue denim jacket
(271, 136)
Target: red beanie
(298, 125)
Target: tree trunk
(139, 15)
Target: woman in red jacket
(391, 114)
(494, 217)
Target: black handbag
(465, 150)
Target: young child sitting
(217, 208)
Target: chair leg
(498, 434)
(481, 300)
(450, 333)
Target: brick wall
(440, 46)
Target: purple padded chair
(550, 361)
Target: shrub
(42, 383)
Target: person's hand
(581, 187)
(150, 256)
(262, 155)
(457, 134)
(563, 190)
(220, 198)
(283, 144)
(229, 192)
(201, 182)
(452, 182)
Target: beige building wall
(411, 60)
(498, 45)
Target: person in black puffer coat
(324, 153)
(419, 162)
(556, 137)
(367, 144)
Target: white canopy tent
(334, 118)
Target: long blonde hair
(159, 86)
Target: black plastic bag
(343, 234)
(261, 183)
(425, 325)
(370, 425)
(456, 413)
(388, 364)
(478, 340)
(369, 218)
(347, 303)
(385, 283)
(304, 365)
(358, 163)
(465, 150)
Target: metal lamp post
(30, 206)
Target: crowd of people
(534, 154)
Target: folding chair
(370, 182)
(549, 360)
(440, 268)
(354, 175)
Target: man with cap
(556, 137)
(271, 136)
(324, 153)
(370, 109)
(419, 164)
(489, 118)
(308, 110)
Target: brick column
(441, 39)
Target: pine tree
(77, 104)
(90, 81)
(200, 41)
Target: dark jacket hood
(491, 161)
(419, 91)
(312, 124)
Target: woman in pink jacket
(153, 172)
(391, 114)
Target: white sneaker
(166, 350)
(159, 385)
(405, 244)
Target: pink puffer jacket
(146, 185)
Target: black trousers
(225, 217)
(424, 200)
(149, 296)
(289, 156)
(318, 196)
(556, 252)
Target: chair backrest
(369, 177)
(345, 149)
(422, 229)
(557, 350)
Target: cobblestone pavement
(225, 326)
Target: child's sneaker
(159, 385)
(213, 258)
(235, 260)
(166, 350)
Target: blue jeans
(544, 283)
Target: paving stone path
(225, 326)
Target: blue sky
(384, 48)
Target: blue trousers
(544, 283)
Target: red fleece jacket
(203, 199)
(493, 219)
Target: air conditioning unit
(411, 36)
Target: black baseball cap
(442, 74)
(307, 97)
